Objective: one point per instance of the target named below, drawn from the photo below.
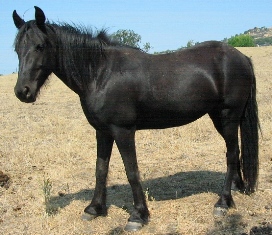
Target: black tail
(249, 127)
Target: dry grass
(50, 144)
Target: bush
(242, 40)
(130, 38)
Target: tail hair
(249, 127)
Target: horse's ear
(39, 16)
(18, 21)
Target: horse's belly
(161, 120)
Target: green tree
(130, 38)
(242, 40)
(190, 43)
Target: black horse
(123, 89)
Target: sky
(165, 24)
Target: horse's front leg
(125, 140)
(98, 204)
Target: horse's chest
(94, 113)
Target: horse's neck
(65, 75)
(69, 83)
(78, 71)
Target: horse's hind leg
(237, 182)
(227, 125)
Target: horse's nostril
(26, 90)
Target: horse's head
(36, 54)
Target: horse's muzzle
(25, 94)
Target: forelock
(23, 31)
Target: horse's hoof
(133, 226)
(219, 212)
(88, 217)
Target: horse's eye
(39, 47)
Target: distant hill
(262, 36)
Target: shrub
(242, 40)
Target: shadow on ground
(170, 187)
(176, 186)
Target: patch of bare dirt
(4, 180)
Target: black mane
(81, 47)
(81, 50)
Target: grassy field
(48, 151)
